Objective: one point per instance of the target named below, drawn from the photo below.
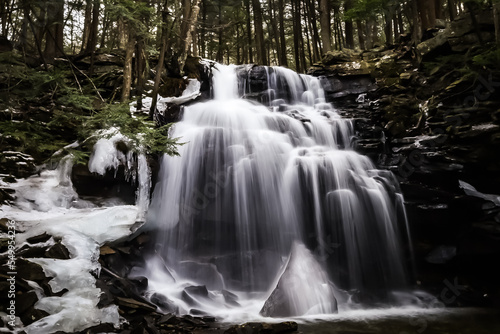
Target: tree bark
(349, 30)
(220, 50)
(127, 68)
(249, 30)
(324, 17)
(283, 56)
(190, 16)
(452, 9)
(296, 35)
(259, 33)
(388, 29)
(274, 28)
(161, 60)
(496, 17)
(87, 22)
(92, 41)
(54, 40)
(316, 45)
(361, 37)
(203, 29)
(416, 22)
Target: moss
(56, 110)
(142, 132)
(488, 59)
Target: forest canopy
(289, 33)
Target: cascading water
(271, 209)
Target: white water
(253, 180)
(48, 203)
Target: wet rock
(192, 293)
(441, 254)
(18, 164)
(32, 252)
(6, 195)
(39, 238)
(140, 282)
(29, 270)
(302, 287)
(196, 321)
(261, 328)
(129, 303)
(211, 277)
(165, 304)
(113, 184)
(31, 315)
(230, 298)
(58, 251)
(4, 225)
(25, 300)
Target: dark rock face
(432, 128)
(113, 184)
(17, 164)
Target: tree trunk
(283, 56)
(23, 38)
(388, 29)
(203, 29)
(308, 40)
(122, 34)
(471, 6)
(161, 60)
(496, 17)
(86, 25)
(396, 27)
(54, 38)
(452, 9)
(316, 45)
(220, 51)
(92, 41)
(324, 18)
(349, 30)
(3, 17)
(259, 33)
(105, 28)
(127, 68)
(190, 16)
(274, 30)
(140, 59)
(249, 30)
(296, 35)
(438, 9)
(361, 37)
(400, 22)
(416, 22)
(369, 37)
(301, 35)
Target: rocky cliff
(431, 114)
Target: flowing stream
(269, 210)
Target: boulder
(165, 304)
(339, 57)
(432, 44)
(303, 288)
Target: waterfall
(255, 181)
